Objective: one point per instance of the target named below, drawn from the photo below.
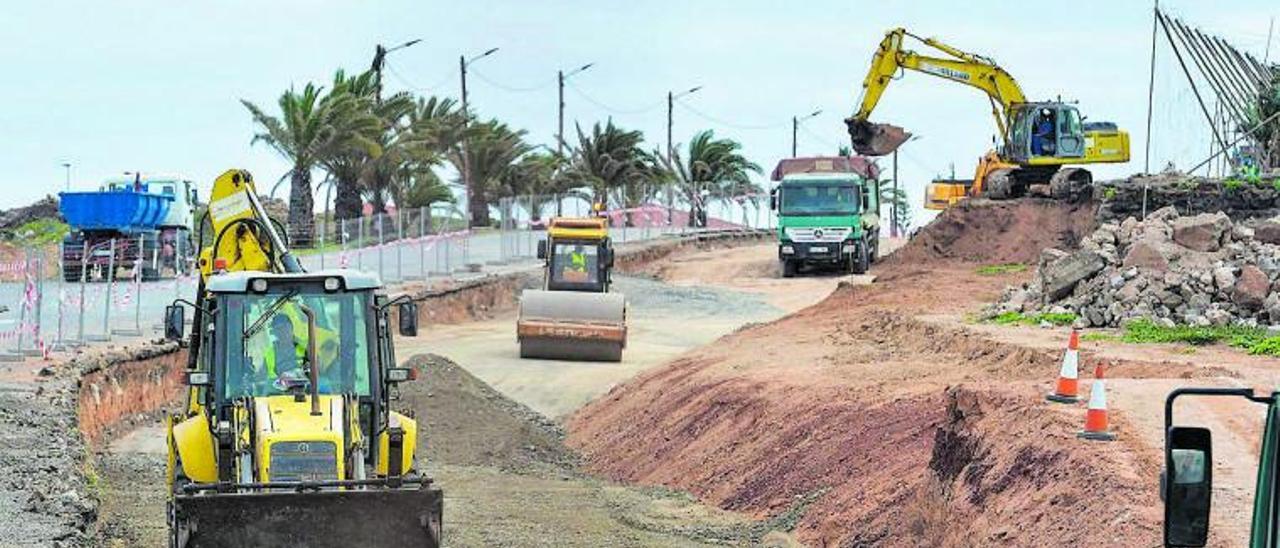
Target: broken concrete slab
(1203, 232)
(1252, 288)
(1060, 277)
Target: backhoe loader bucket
(408, 516)
(875, 139)
(568, 325)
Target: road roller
(574, 316)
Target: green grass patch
(997, 269)
(1101, 337)
(40, 232)
(1254, 340)
(1018, 318)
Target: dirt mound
(462, 420)
(898, 430)
(986, 231)
(45, 208)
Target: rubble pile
(1196, 270)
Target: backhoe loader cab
(288, 437)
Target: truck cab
(828, 211)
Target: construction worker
(578, 259)
(1042, 139)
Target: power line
(818, 138)
(569, 84)
(727, 123)
(406, 83)
(513, 89)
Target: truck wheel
(788, 269)
(860, 261)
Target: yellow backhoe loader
(574, 316)
(288, 438)
(1038, 139)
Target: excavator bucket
(374, 517)
(875, 139)
(569, 325)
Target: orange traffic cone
(1068, 389)
(1095, 419)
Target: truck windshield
(271, 359)
(819, 199)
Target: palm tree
(714, 171)
(492, 149)
(609, 160)
(311, 126)
(888, 197)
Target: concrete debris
(1196, 270)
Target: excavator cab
(1044, 130)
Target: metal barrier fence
(44, 307)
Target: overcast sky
(155, 85)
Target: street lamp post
(67, 166)
(560, 77)
(463, 62)
(795, 128)
(379, 59)
(671, 196)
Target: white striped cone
(1067, 388)
(1095, 421)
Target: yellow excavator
(1039, 139)
(574, 316)
(288, 437)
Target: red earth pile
(878, 427)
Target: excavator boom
(891, 57)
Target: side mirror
(174, 318)
(1187, 485)
(408, 312)
(198, 378)
(773, 199)
(401, 374)
(542, 249)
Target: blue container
(122, 210)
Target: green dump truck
(828, 211)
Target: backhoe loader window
(824, 199)
(575, 263)
(272, 360)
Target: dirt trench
(508, 476)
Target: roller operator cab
(828, 212)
